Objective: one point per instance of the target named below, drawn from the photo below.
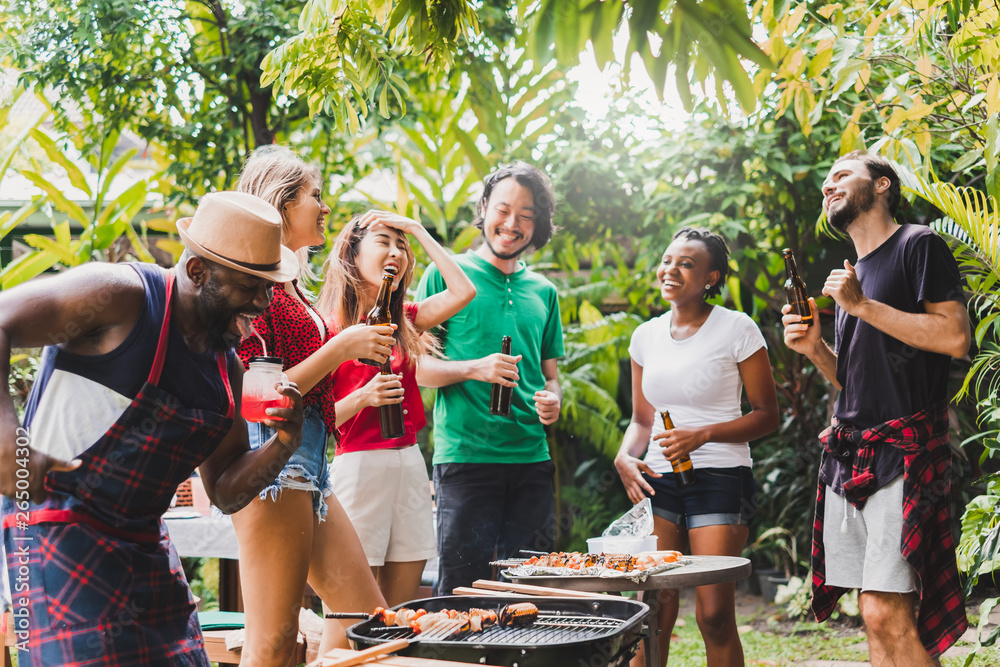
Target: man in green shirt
(493, 477)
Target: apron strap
(40, 516)
(161, 352)
(161, 345)
(224, 372)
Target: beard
(216, 313)
(505, 255)
(860, 201)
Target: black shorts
(719, 497)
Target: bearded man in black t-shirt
(883, 493)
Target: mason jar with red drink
(260, 388)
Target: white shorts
(387, 495)
(863, 546)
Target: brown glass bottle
(379, 314)
(795, 289)
(500, 398)
(390, 417)
(682, 468)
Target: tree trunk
(260, 104)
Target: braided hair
(717, 249)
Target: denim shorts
(307, 463)
(719, 497)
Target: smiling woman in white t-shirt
(695, 361)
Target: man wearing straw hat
(138, 385)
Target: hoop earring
(708, 287)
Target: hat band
(248, 265)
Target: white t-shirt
(697, 380)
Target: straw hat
(240, 231)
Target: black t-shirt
(881, 377)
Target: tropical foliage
(346, 53)
(457, 87)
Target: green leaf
(992, 154)
(968, 160)
(52, 151)
(10, 221)
(108, 149)
(119, 208)
(461, 197)
(62, 233)
(602, 30)
(117, 166)
(973, 102)
(26, 267)
(568, 31)
(62, 253)
(543, 35)
(383, 102)
(57, 198)
(476, 158)
(14, 146)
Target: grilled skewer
(442, 630)
(518, 615)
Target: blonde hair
(340, 297)
(276, 174)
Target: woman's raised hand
(402, 223)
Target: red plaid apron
(106, 584)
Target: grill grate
(548, 629)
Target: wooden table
(701, 571)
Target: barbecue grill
(569, 631)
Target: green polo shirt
(524, 306)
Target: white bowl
(621, 545)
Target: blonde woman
(383, 483)
(296, 531)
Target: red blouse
(295, 338)
(362, 431)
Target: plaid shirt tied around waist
(926, 542)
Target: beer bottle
(795, 289)
(500, 399)
(390, 416)
(682, 468)
(379, 314)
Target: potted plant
(778, 546)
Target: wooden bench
(215, 646)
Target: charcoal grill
(569, 631)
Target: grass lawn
(770, 642)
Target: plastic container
(259, 388)
(621, 545)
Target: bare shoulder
(91, 304)
(109, 291)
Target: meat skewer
(518, 615)
(420, 621)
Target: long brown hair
(340, 301)
(276, 174)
